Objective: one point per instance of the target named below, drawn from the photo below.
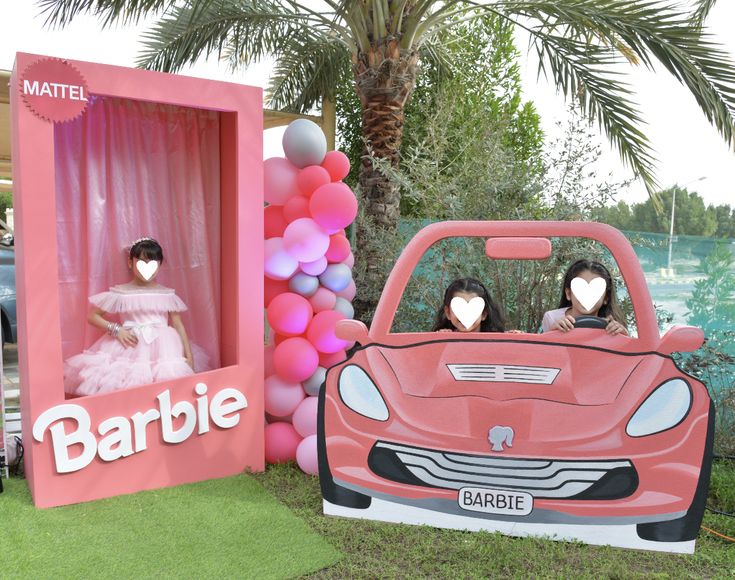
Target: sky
(690, 152)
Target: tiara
(143, 239)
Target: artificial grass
(377, 549)
(224, 528)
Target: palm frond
(243, 31)
(702, 10)
(59, 13)
(310, 66)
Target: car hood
(508, 370)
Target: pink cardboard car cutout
(577, 436)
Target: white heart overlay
(147, 269)
(588, 293)
(467, 312)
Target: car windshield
(525, 289)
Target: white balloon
(314, 382)
(345, 307)
(304, 284)
(304, 143)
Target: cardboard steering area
(188, 429)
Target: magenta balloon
(333, 206)
(305, 240)
(289, 314)
(279, 264)
(274, 223)
(314, 268)
(296, 207)
(281, 442)
(279, 176)
(349, 292)
(282, 398)
(323, 299)
(321, 332)
(311, 178)
(295, 360)
(337, 164)
(304, 417)
(306, 456)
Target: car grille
(503, 373)
(552, 478)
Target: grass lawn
(373, 549)
(224, 528)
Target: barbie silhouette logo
(54, 90)
(588, 293)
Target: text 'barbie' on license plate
(491, 501)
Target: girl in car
(588, 290)
(460, 311)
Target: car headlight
(665, 408)
(360, 394)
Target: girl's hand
(614, 327)
(514, 331)
(126, 337)
(445, 330)
(564, 324)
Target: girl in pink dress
(142, 348)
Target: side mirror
(681, 339)
(352, 331)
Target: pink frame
(218, 452)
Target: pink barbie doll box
(103, 155)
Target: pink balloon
(323, 299)
(289, 314)
(306, 456)
(350, 260)
(273, 221)
(272, 288)
(279, 264)
(295, 208)
(333, 206)
(329, 360)
(314, 268)
(311, 178)
(337, 164)
(282, 398)
(295, 360)
(281, 442)
(349, 292)
(279, 176)
(268, 368)
(339, 248)
(304, 417)
(321, 332)
(305, 240)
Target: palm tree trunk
(385, 78)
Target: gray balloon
(304, 284)
(314, 382)
(345, 307)
(304, 143)
(336, 277)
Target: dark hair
(147, 249)
(495, 319)
(610, 306)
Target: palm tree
(580, 44)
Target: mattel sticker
(54, 90)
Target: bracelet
(113, 329)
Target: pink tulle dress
(158, 356)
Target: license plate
(493, 501)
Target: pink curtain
(128, 169)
